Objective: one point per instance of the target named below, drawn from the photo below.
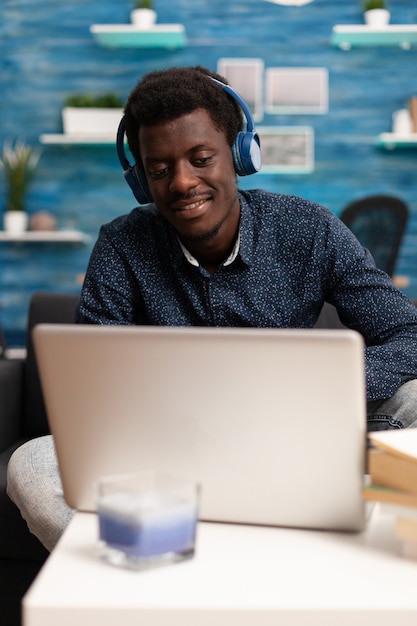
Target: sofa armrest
(11, 400)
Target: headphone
(246, 151)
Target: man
(203, 253)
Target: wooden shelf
(130, 36)
(78, 140)
(53, 236)
(395, 140)
(346, 36)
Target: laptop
(270, 422)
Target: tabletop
(243, 575)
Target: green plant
(88, 100)
(369, 5)
(143, 4)
(18, 161)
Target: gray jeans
(34, 485)
(400, 411)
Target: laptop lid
(271, 422)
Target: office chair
(378, 222)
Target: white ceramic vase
(91, 121)
(143, 18)
(402, 123)
(15, 222)
(377, 17)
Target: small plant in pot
(90, 114)
(376, 13)
(18, 161)
(143, 14)
(108, 100)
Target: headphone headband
(241, 102)
(246, 151)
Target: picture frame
(297, 90)
(287, 149)
(246, 76)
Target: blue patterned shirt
(293, 256)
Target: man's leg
(400, 411)
(34, 485)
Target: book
(406, 528)
(392, 466)
(379, 493)
(406, 532)
(402, 443)
(391, 470)
(409, 549)
(412, 107)
(397, 510)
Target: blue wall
(47, 52)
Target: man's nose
(183, 178)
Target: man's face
(189, 168)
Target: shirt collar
(228, 261)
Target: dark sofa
(22, 417)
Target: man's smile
(191, 209)
(192, 205)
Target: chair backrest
(50, 308)
(378, 222)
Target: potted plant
(18, 161)
(143, 14)
(376, 13)
(89, 114)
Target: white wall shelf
(396, 140)
(44, 236)
(130, 36)
(346, 36)
(78, 140)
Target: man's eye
(156, 173)
(201, 161)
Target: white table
(243, 576)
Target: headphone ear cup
(246, 151)
(136, 180)
(134, 176)
(143, 185)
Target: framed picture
(287, 149)
(297, 90)
(246, 77)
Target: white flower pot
(402, 123)
(377, 17)
(143, 18)
(15, 222)
(91, 121)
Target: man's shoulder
(281, 204)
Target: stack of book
(392, 468)
(412, 106)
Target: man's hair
(166, 95)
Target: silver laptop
(270, 422)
